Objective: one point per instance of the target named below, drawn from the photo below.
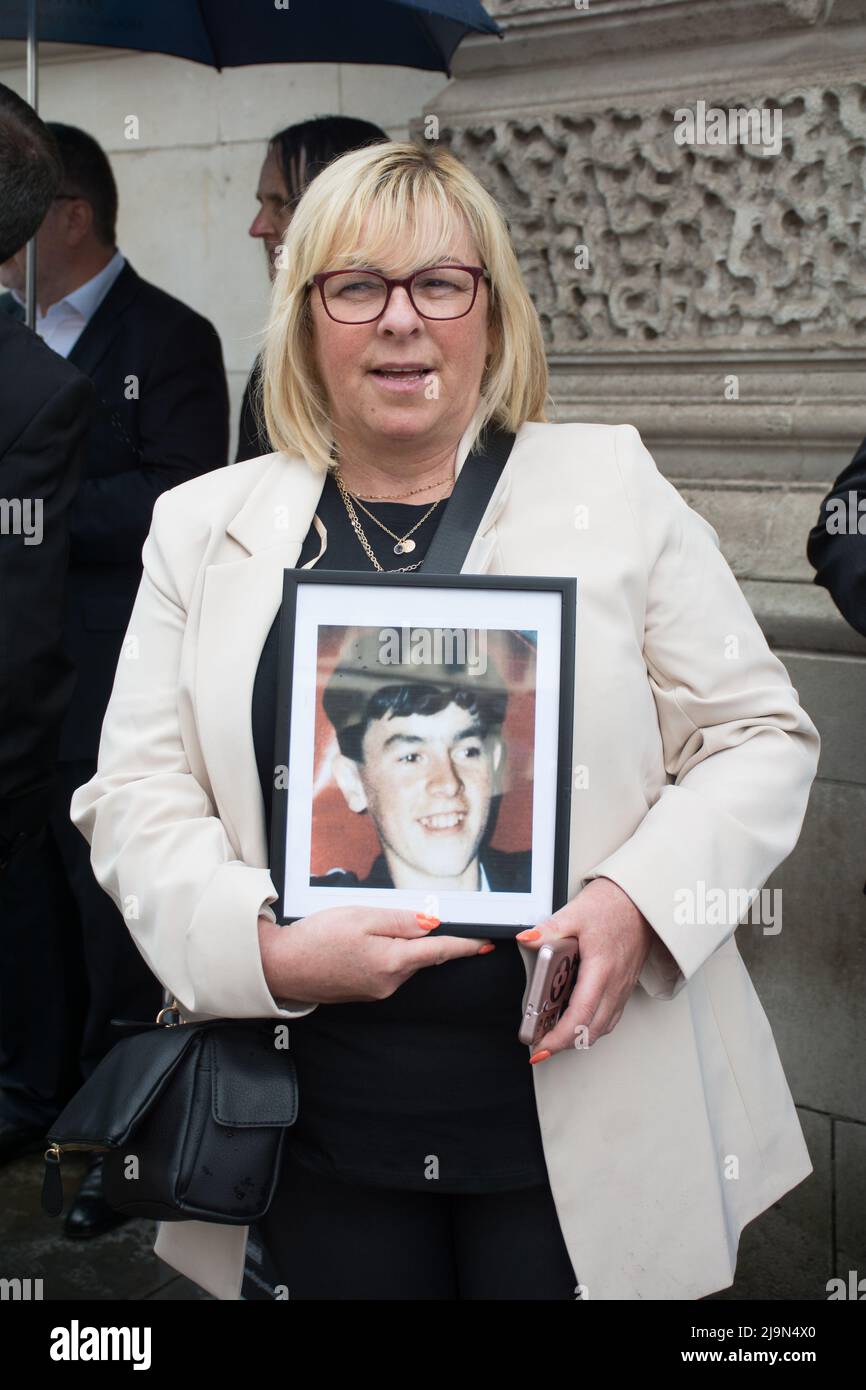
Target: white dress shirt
(64, 322)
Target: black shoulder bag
(191, 1117)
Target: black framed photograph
(423, 748)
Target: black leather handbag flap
(123, 1087)
(254, 1081)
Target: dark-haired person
(421, 752)
(45, 408)
(161, 419)
(294, 157)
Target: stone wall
(714, 295)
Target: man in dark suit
(293, 159)
(45, 408)
(837, 544)
(421, 753)
(70, 964)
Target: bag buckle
(172, 1008)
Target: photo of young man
(422, 754)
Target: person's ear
(79, 221)
(348, 779)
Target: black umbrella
(235, 33)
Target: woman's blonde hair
(413, 196)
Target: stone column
(714, 295)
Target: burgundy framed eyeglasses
(361, 296)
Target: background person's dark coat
(45, 408)
(162, 417)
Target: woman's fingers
(613, 940)
(581, 1019)
(396, 921)
(435, 950)
(417, 947)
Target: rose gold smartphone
(550, 990)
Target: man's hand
(614, 939)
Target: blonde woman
(400, 327)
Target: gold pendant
(404, 547)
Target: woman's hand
(614, 940)
(343, 954)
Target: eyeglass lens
(442, 293)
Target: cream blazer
(668, 1135)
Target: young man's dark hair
(488, 709)
(30, 172)
(87, 173)
(305, 149)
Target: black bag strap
(467, 504)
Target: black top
(435, 1073)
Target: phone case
(550, 989)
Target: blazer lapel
(98, 334)
(240, 600)
(239, 603)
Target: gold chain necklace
(413, 492)
(404, 544)
(356, 525)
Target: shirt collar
(88, 297)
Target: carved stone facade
(715, 290)
(629, 238)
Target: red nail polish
(483, 950)
(540, 1056)
(532, 934)
(427, 923)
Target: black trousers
(68, 965)
(326, 1239)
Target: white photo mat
(329, 605)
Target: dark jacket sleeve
(43, 464)
(837, 549)
(183, 432)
